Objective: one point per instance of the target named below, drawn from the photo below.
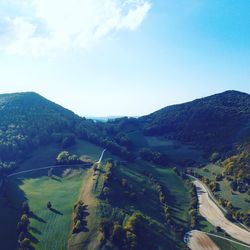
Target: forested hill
(28, 120)
(214, 122)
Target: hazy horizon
(110, 116)
(124, 58)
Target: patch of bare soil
(200, 241)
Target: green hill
(29, 121)
(214, 123)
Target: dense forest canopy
(27, 121)
(214, 122)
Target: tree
(118, 235)
(106, 191)
(25, 208)
(234, 185)
(63, 157)
(134, 223)
(25, 221)
(131, 241)
(25, 244)
(105, 228)
(21, 237)
(49, 205)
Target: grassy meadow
(49, 230)
(176, 151)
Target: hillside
(214, 123)
(27, 121)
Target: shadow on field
(85, 214)
(85, 228)
(10, 209)
(200, 190)
(36, 217)
(201, 222)
(35, 230)
(32, 238)
(56, 211)
(55, 178)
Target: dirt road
(197, 240)
(88, 240)
(212, 213)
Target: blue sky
(130, 57)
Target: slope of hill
(215, 122)
(27, 120)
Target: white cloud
(49, 26)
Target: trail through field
(198, 240)
(88, 240)
(48, 167)
(212, 213)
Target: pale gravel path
(210, 211)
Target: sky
(124, 57)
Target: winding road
(212, 213)
(100, 159)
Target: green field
(46, 226)
(46, 155)
(227, 245)
(176, 151)
(36, 188)
(50, 229)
